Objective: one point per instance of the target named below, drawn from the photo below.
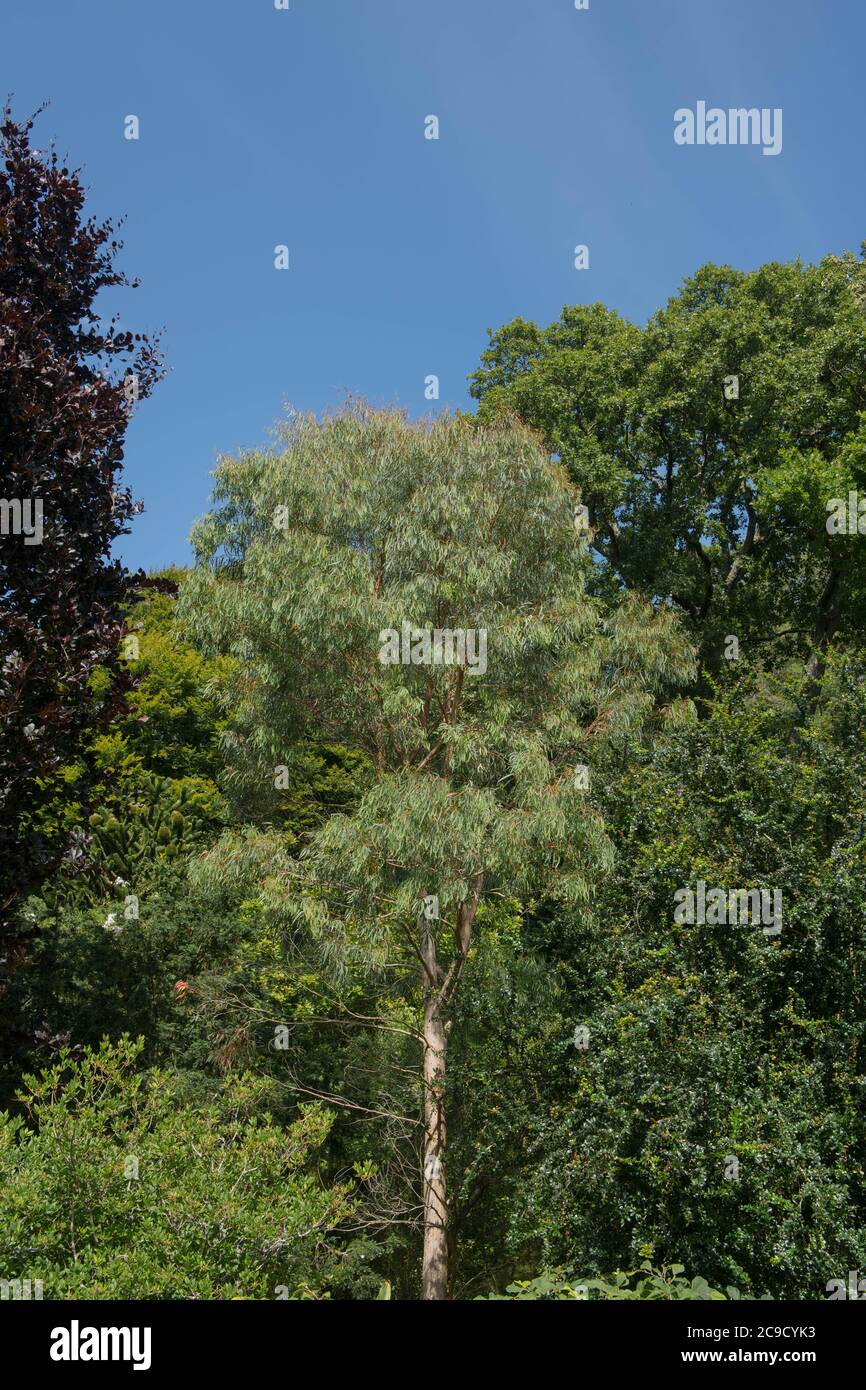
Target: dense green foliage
(639, 1105)
(114, 1191)
(705, 1042)
(707, 445)
(644, 1283)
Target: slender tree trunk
(434, 1266)
(438, 994)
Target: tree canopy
(706, 446)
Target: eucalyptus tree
(418, 593)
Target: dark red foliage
(64, 411)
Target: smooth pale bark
(434, 1266)
(439, 993)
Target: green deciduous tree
(715, 1110)
(707, 445)
(112, 1189)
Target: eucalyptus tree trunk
(434, 1265)
(439, 991)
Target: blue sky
(305, 127)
